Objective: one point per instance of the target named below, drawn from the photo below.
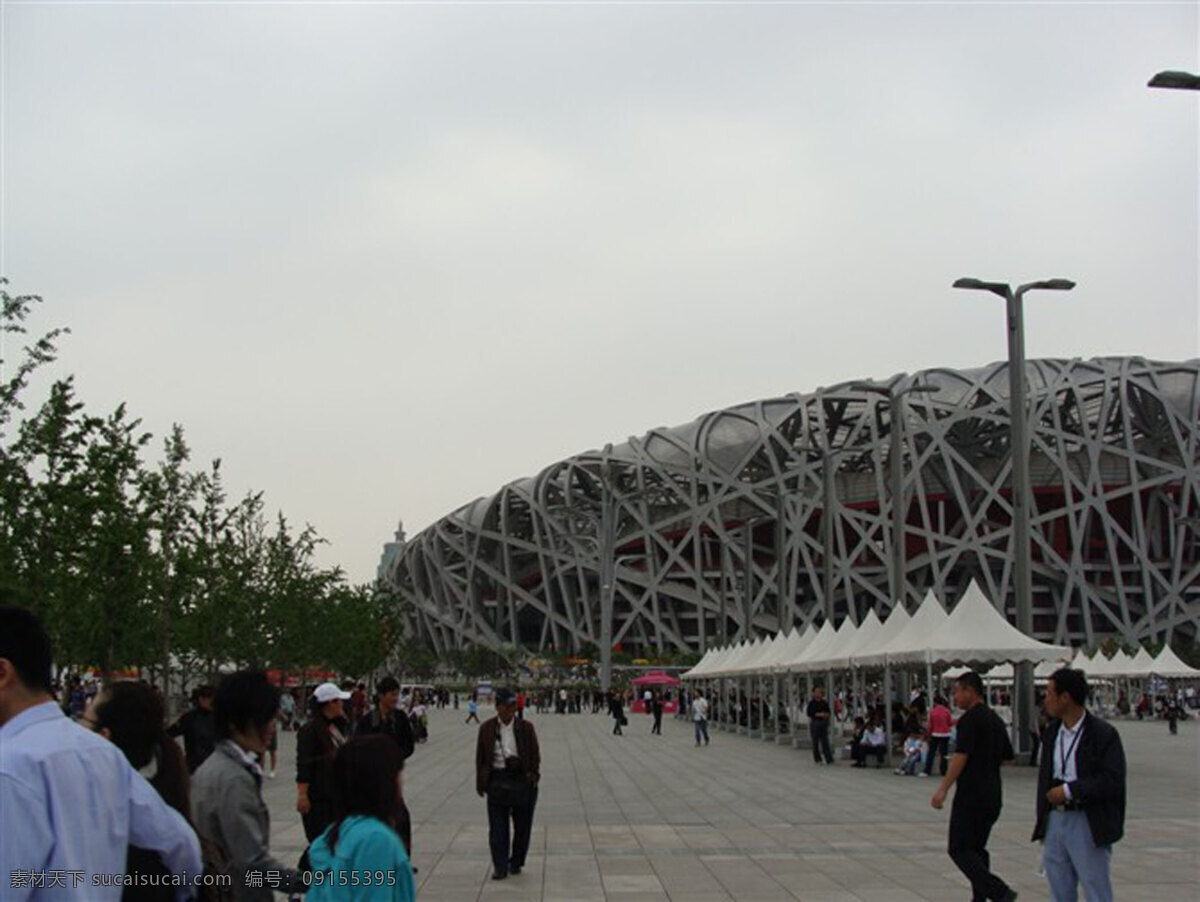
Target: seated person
(857, 753)
(914, 754)
(874, 742)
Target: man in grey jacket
(227, 803)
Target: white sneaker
(271, 775)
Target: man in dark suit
(507, 769)
(1080, 794)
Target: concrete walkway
(653, 817)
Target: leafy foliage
(137, 564)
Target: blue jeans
(701, 730)
(1069, 858)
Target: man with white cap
(316, 745)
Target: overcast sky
(382, 259)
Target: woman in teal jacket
(359, 857)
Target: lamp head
(1185, 81)
(1000, 288)
(1047, 285)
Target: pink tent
(655, 679)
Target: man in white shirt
(507, 770)
(70, 803)
(700, 717)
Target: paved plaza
(653, 817)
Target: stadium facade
(785, 511)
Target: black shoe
(1009, 896)
(499, 875)
(514, 869)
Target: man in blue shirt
(70, 804)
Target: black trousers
(657, 728)
(970, 827)
(404, 826)
(937, 745)
(504, 856)
(819, 731)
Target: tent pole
(887, 707)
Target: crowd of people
(96, 784)
(107, 800)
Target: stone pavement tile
(827, 895)
(513, 889)
(702, 837)
(683, 876)
(743, 878)
(614, 838)
(565, 875)
(625, 866)
(656, 837)
(888, 894)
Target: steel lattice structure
(773, 513)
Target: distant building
(766, 515)
(391, 551)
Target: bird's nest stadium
(788, 510)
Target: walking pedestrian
(69, 799)
(981, 746)
(197, 728)
(130, 716)
(616, 708)
(507, 771)
(360, 856)
(818, 725)
(939, 727)
(472, 710)
(385, 719)
(656, 708)
(1080, 794)
(700, 717)
(316, 744)
(227, 801)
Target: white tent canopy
(976, 633)
(896, 623)
(840, 658)
(1100, 667)
(1141, 664)
(820, 642)
(910, 643)
(752, 664)
(731, 664)
(1168, 666)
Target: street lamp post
(828, 500)
(897, 563)
(748, 574)
(1023, 580)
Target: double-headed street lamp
(897, 564)
(1023, 580)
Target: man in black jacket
(508, 765)
(1081, 792)
(385, 718)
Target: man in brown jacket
(507, 769)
